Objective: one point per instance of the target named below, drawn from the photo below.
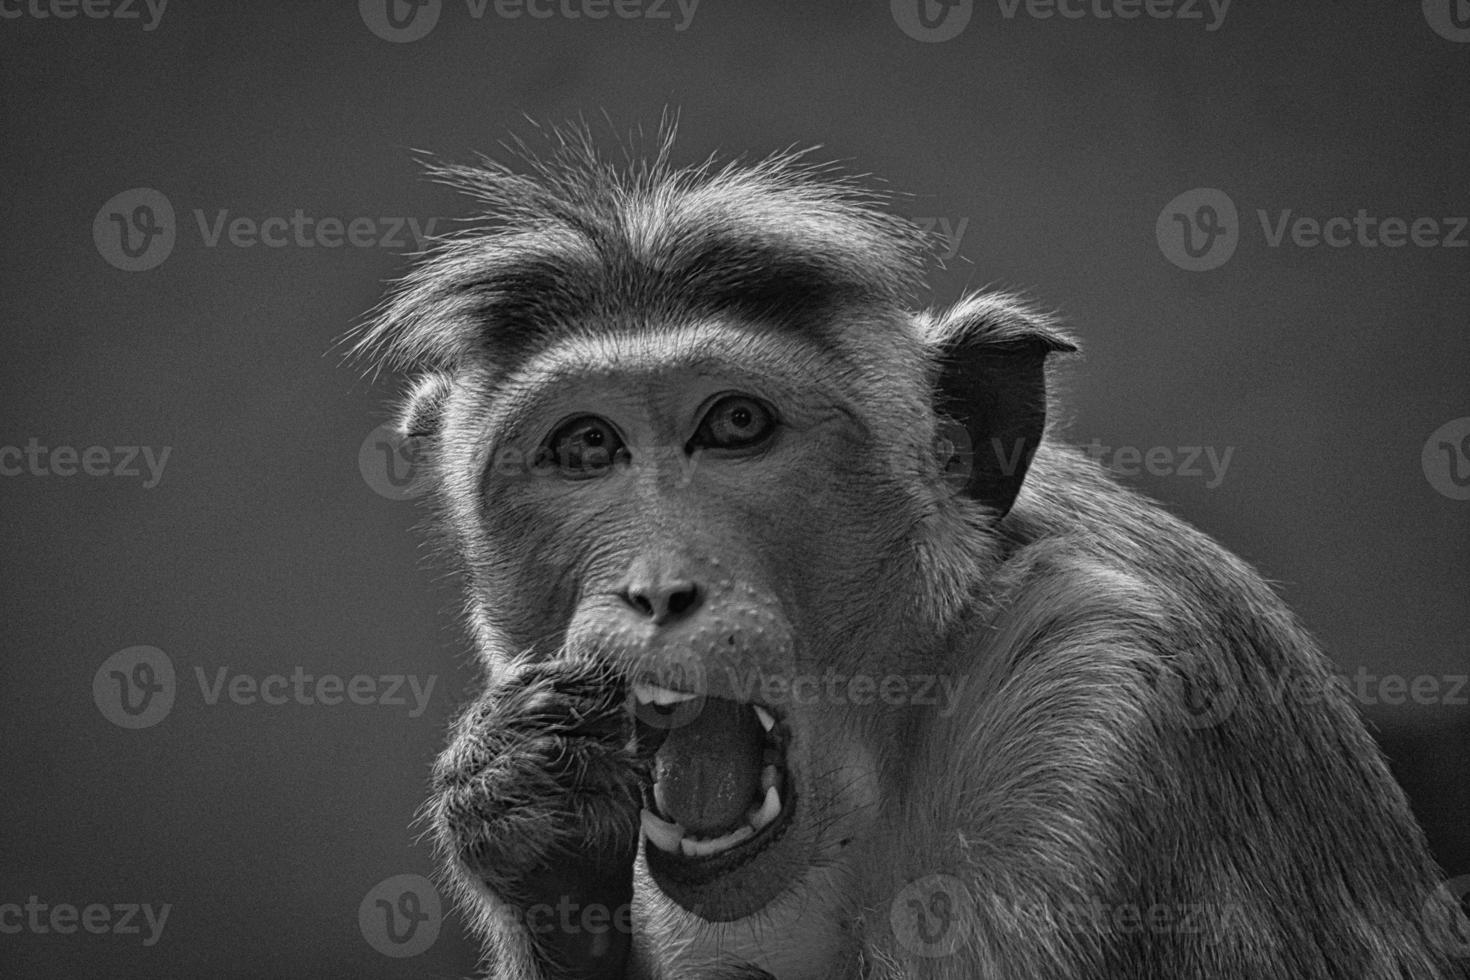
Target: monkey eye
(582, 447)
(735, 422)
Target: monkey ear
(990, 393)
(423, 409)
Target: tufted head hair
(573, 241)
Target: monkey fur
(687, 436)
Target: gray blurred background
(1051, 149)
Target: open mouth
(721, 792)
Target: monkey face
(688, 507)
(685, 436)
(727, 517)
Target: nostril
(683, 599)
(639, 601)
(664, 603)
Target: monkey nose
(664, 601)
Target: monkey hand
(538, 798)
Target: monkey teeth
(703, 848)
(761, 818)
(662, 834)
(660, 696)
(672, 838)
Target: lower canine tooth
(658, 797)
(771, 806)
(662, 834)
(699, 848)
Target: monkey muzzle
(719, 793)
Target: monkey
(812, 650)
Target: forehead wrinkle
(758, 358)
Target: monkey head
(688, 427)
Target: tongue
(709, 770)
